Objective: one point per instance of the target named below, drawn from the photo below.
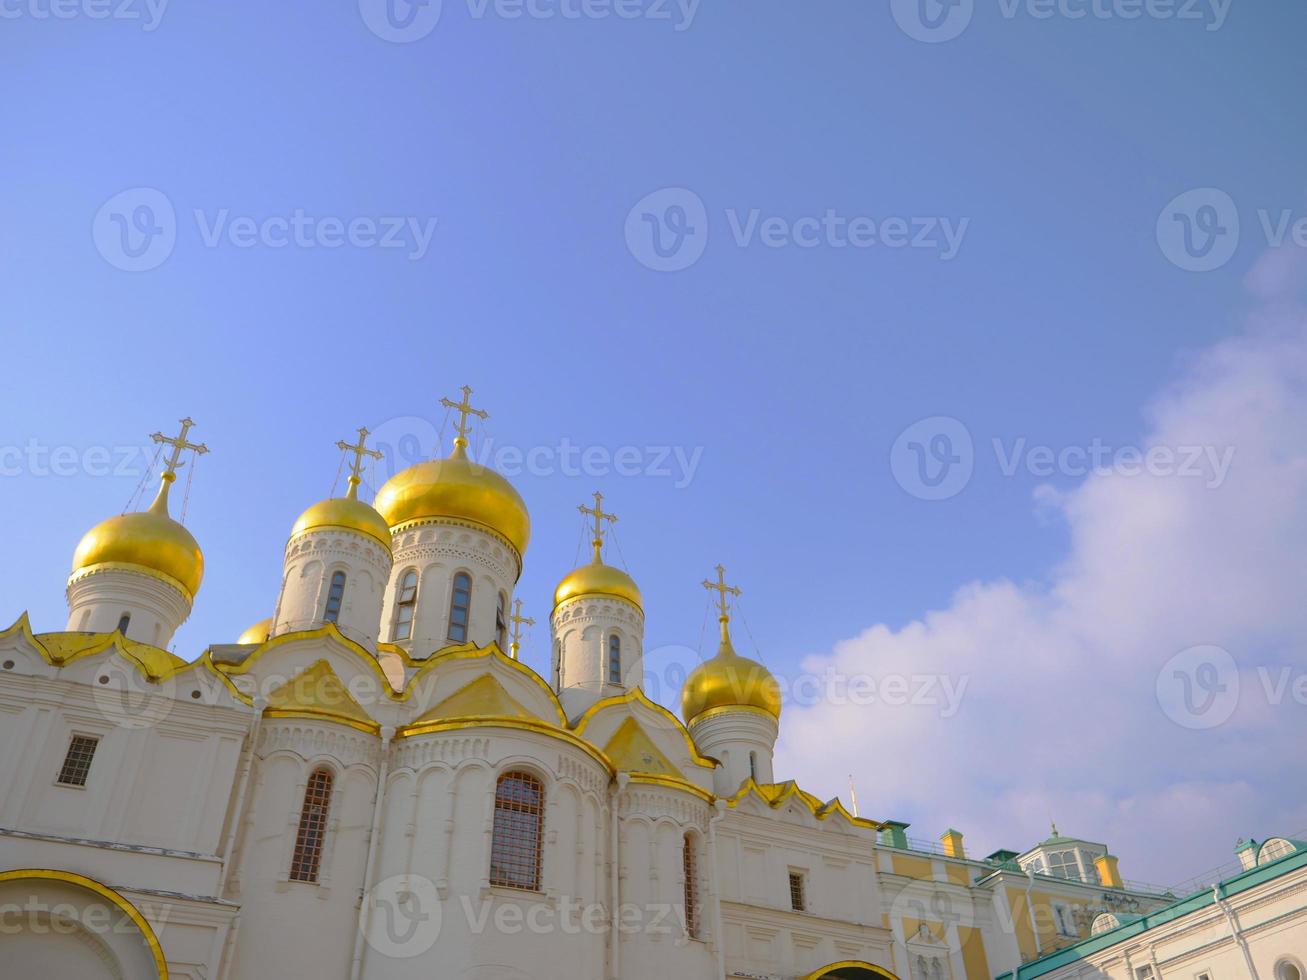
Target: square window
(77, 761)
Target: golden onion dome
(347, 513)
(258, 633)
(729, 681)
(458, 488)
(597, 578)
(147, 541)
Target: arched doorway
(64, 925)
(852, 970)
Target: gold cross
(464, 409)
(518, 621)
(356, 470)
(179, 445)
(722, 590)
(598, 513)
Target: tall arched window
(518, 831)
(614, 659)
(124, 621)
(313, 827)
(406, 601)
(501, 622)
(460, 603)
(335, 596)
(690, 864)
(753, 766)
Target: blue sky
(1054, 142)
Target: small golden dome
(149, 541)
(348, 513)
(598, 579)
(729, 681)
(459, 488)
(258, 633)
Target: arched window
(335, 595)
(406, 601)
(690, 864)
(460, 603)
(313, 827)
(518, 831)
(614, 659)
(124, 621)
(501, 622)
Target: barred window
(518, 830)
(614, 659)
(798, 901)
(406, 600)
(77, 761)
(460, 604)
(691, 889)
(334, 597)
(313, 827)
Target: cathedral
(370, 785)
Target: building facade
(370, 784)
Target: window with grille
(460, 604)
(1062, 916)
(1064, 864)
(798, 900)
(501, 622)
(313, 827)
(691, 889)
(519, 827)
(77, 760)
(406, 600)
(614, 659)
(335, 595)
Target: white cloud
(1061, 716)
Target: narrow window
(124, 621)
(313, 827)
(798, 901)
(691, 889)
(614, 659)
(753, 766)
(459, 605)
(518, 829)
(406, 600)
(335, 595)
(77, 761)
(501, 622)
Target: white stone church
(370, 784)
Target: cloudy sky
(967, 343)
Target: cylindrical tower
(732, 706)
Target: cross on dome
(179, 446)
(597, 512)
(356, 468)
(518, 621)
(464, 409)
(722, 590)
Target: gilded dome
(597, 578)
(148, 541)
(729, 681)
(258, 633)
(458, 488)
(348, 513)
